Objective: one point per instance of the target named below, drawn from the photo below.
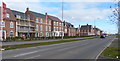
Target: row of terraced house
(33, 24)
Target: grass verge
(112, 52)
(116, 41)
(9, 47)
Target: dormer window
(8, 15)
(18, 16)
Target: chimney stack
(27, 9)
(46, 13)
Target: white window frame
(11, 25)
(12, 32)
(36, 27)
(41, 34)
(46, 28)
(49, 28)
(3, 24)
(41, 20)
(8, 15)
(18, 16)
(37, 20)
(41, 27)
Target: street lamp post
(62, 19)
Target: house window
(36, 27)
(57, 28)
(8, 15)
(57, 23)
(60, 28)
(47, 34)
(49, 28)
(11, 25)
(49, 22)
(11, 33)
(65, 30)
(41, 21)
(37, 20)
(3, 24)
(54, 23)
(54, 28)
(46, 28)
(41, 34)
(41, 27)
(18, 16)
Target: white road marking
(72, 47)
(33, 57)
(23, 54)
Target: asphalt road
(24, 42)
(86, 49)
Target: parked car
(102, 36)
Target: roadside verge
(9, 47)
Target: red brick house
(25, 24)
(97, 31)
(42, 23)
(57, 26)
(86, 30)
(78, 31)
(69, 29)
(9, 24)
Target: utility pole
(62, 18)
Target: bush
(40, 38)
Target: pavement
(25, 42)
(86, 49)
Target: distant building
(78, 31)
(57, 26)
(33, 24)
(86, 30)
(25, 24)
(97, 31)
(69, 29)
(43, 24)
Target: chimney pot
(27, 9)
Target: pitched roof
(54, 18)
(86, 26)
(69, 24)
(97, 29)
(12, 17)
(38, 14)
(23, 15)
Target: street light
(62, 19)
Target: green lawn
(111, 52)
(9, 47)
(116, 41)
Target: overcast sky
(77, 12)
